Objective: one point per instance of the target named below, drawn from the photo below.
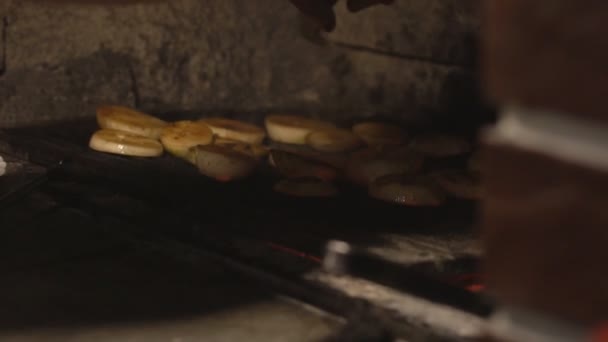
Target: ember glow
(471, 281)
(293, 251)
(476, 287)
(223, 179)
(600, 333)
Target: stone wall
(60, 61)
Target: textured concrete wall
(229, 55)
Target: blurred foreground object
(550, 54)
(545, 164)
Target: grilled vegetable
(236, 130)
(438, 146)
(407, 190)
(335, 160)
(257, 150)
(474, 163)
(130, 121)
(291, 129)
(116, 142)
(306, 187)
(371, 163)
(223, 163)
(375, 133)
(460, 183)
(293, 166)
(333, 140)
(2, 166)
(180, 136)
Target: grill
(99, 247)
(164, 206)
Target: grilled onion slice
(306, 187)
(257, 150)
(2, 166)
(223, 163)
(293, 166)
(335, 160)
(375, 133)
(179, 137)
(474, 163)
(371, 163)
(333, 140)
(236, 130)
(416, 191)
(130, 121)
(291, 129)
(439, 146)
(460, 183)
(116, 142)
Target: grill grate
(168, 205)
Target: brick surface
(216, 56)
(441, 30)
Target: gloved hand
(322, 12)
